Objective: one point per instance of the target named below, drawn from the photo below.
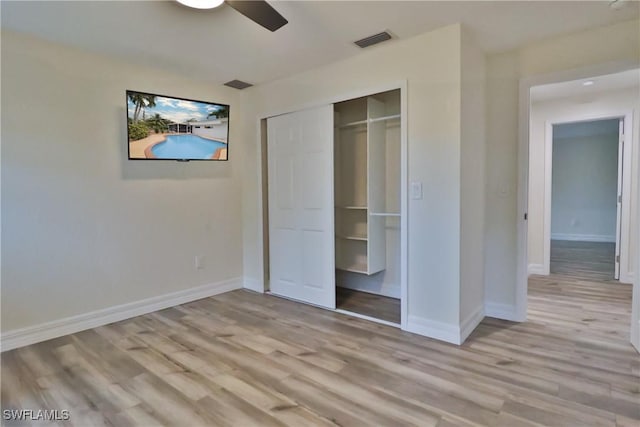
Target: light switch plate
(415, 190)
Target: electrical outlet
(503, 190)
(199, 262)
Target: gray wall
(584, 185)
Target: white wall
(472, 201)
(501, 186)
(602, 105)
(616, 44)
(431, 65)
(584, 188)
(84, 228)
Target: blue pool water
(186, 147)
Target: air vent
(374, 39)
(238, 84)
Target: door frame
(624, 220)
(524, 100)
(404, 180)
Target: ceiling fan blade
(259, 12)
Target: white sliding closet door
(301, 206)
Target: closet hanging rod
(372, 120)
(381, 119)
(351, 124)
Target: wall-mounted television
(161, 127)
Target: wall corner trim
(628, 277)
(471, 322)
(500, 311)
(253, 284)
(70, 325)
(433, 329)
(537, 269)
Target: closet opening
(334, 205)
(367, 194)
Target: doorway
(594, 202)
(367, 189)
(574, 96)
(586, 199)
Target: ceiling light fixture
(588, 83)
(201, 4)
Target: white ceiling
(220, 44)
(629, 80)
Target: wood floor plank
(372, 305)
(568, 258)
(246, 359)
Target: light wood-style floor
(594, 260)
(248, 359)
(377, 306)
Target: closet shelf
(357, 238)
(355, 268)
(364, 208)
(384, 214)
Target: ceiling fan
(259, 11)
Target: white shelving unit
(361, 196)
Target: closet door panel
(301, 212)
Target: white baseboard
(500, 311)
(70, 325)
(584, 237)
(471, 322)
(537, 269)
(253, 284)
(434, 329)
(626, 278)
(635, 336)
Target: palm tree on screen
(141, 101)
(157, 123)
(220, 113)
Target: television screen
(166, 128)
